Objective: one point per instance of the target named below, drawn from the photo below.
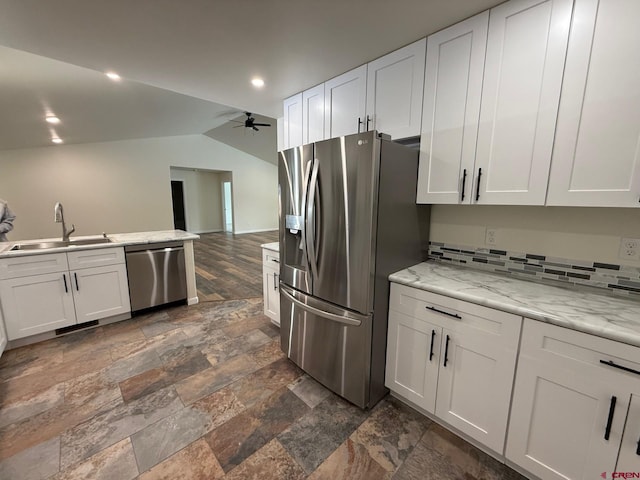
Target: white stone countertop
(117, 240)
(274, 246)
(578, 308)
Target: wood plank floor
(228, 266)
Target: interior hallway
(204, 392)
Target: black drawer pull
(615, 365)
(454, 315)
(612, 409)
(274, 260)
(464, 180)
(446, 352)
(64, 277)
(433, 336)
(76, 277)
(478, 187)
(275, 281)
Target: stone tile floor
(204, 392)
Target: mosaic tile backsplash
(619, 279)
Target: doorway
(227, 208)
(177, 198)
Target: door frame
(224, 206)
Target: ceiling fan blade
(257, 130)
(262, 124)
(236, 126)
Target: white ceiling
(208, 49)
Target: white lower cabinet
(40, 294)
(454, 359)
(3, 335)
(573, 416)
(270, 284)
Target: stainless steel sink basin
(60, 243)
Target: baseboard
(198, 232)
(238, 232)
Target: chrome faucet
(59, 218)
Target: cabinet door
(271, 294)
(100, 292)
(3, 334)
(451, 110)
(36, 304)
(394, 91)
(596, 160)
(476, 377)
(313, 114)
(292, 121)
(413, 353)
(629, 458)
(526, 49)
(562, 402)
(345, 102)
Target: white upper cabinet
(452, 89)
(292, 121)
(394, 91)
(596, 158)
(525, 56)
(345, 103)
(313, 114)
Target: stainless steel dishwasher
(156, 274)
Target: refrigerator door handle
(310, 235)
(314, 306)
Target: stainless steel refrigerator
(348, 218)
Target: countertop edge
(629, 338)
(117, 240)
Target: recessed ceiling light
(113, 76)
(52, 119)
(56, 140)
(257, 82)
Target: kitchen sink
(60, 243)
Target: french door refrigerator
(348, 218)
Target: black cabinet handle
(274, 260)
(75, 275)
(612, 409)
(478, 186)
(360, 122)
(464, 181)
(446, 352)
(433, 336)
(615, 365)
(454, 315)
(368, 121)
(638, 448)
(275, 282)
(64, 277)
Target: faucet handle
(73, 229)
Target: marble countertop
(578, 308)
(117, 240)
(275, 246)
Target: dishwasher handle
(146, 247)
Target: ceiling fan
(251, 123)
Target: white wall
(125, 186)
(203, 204)
(566, 232)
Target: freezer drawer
(331, 344)
(156, 274)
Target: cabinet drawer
(95, 257)
(24, 266)
(271, 258)
(567, 349)
(441, 310)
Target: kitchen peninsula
(41, 280)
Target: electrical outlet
(629, 249)
(491, 236)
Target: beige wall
(566, 232)
(203, 203)
(125, 186)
